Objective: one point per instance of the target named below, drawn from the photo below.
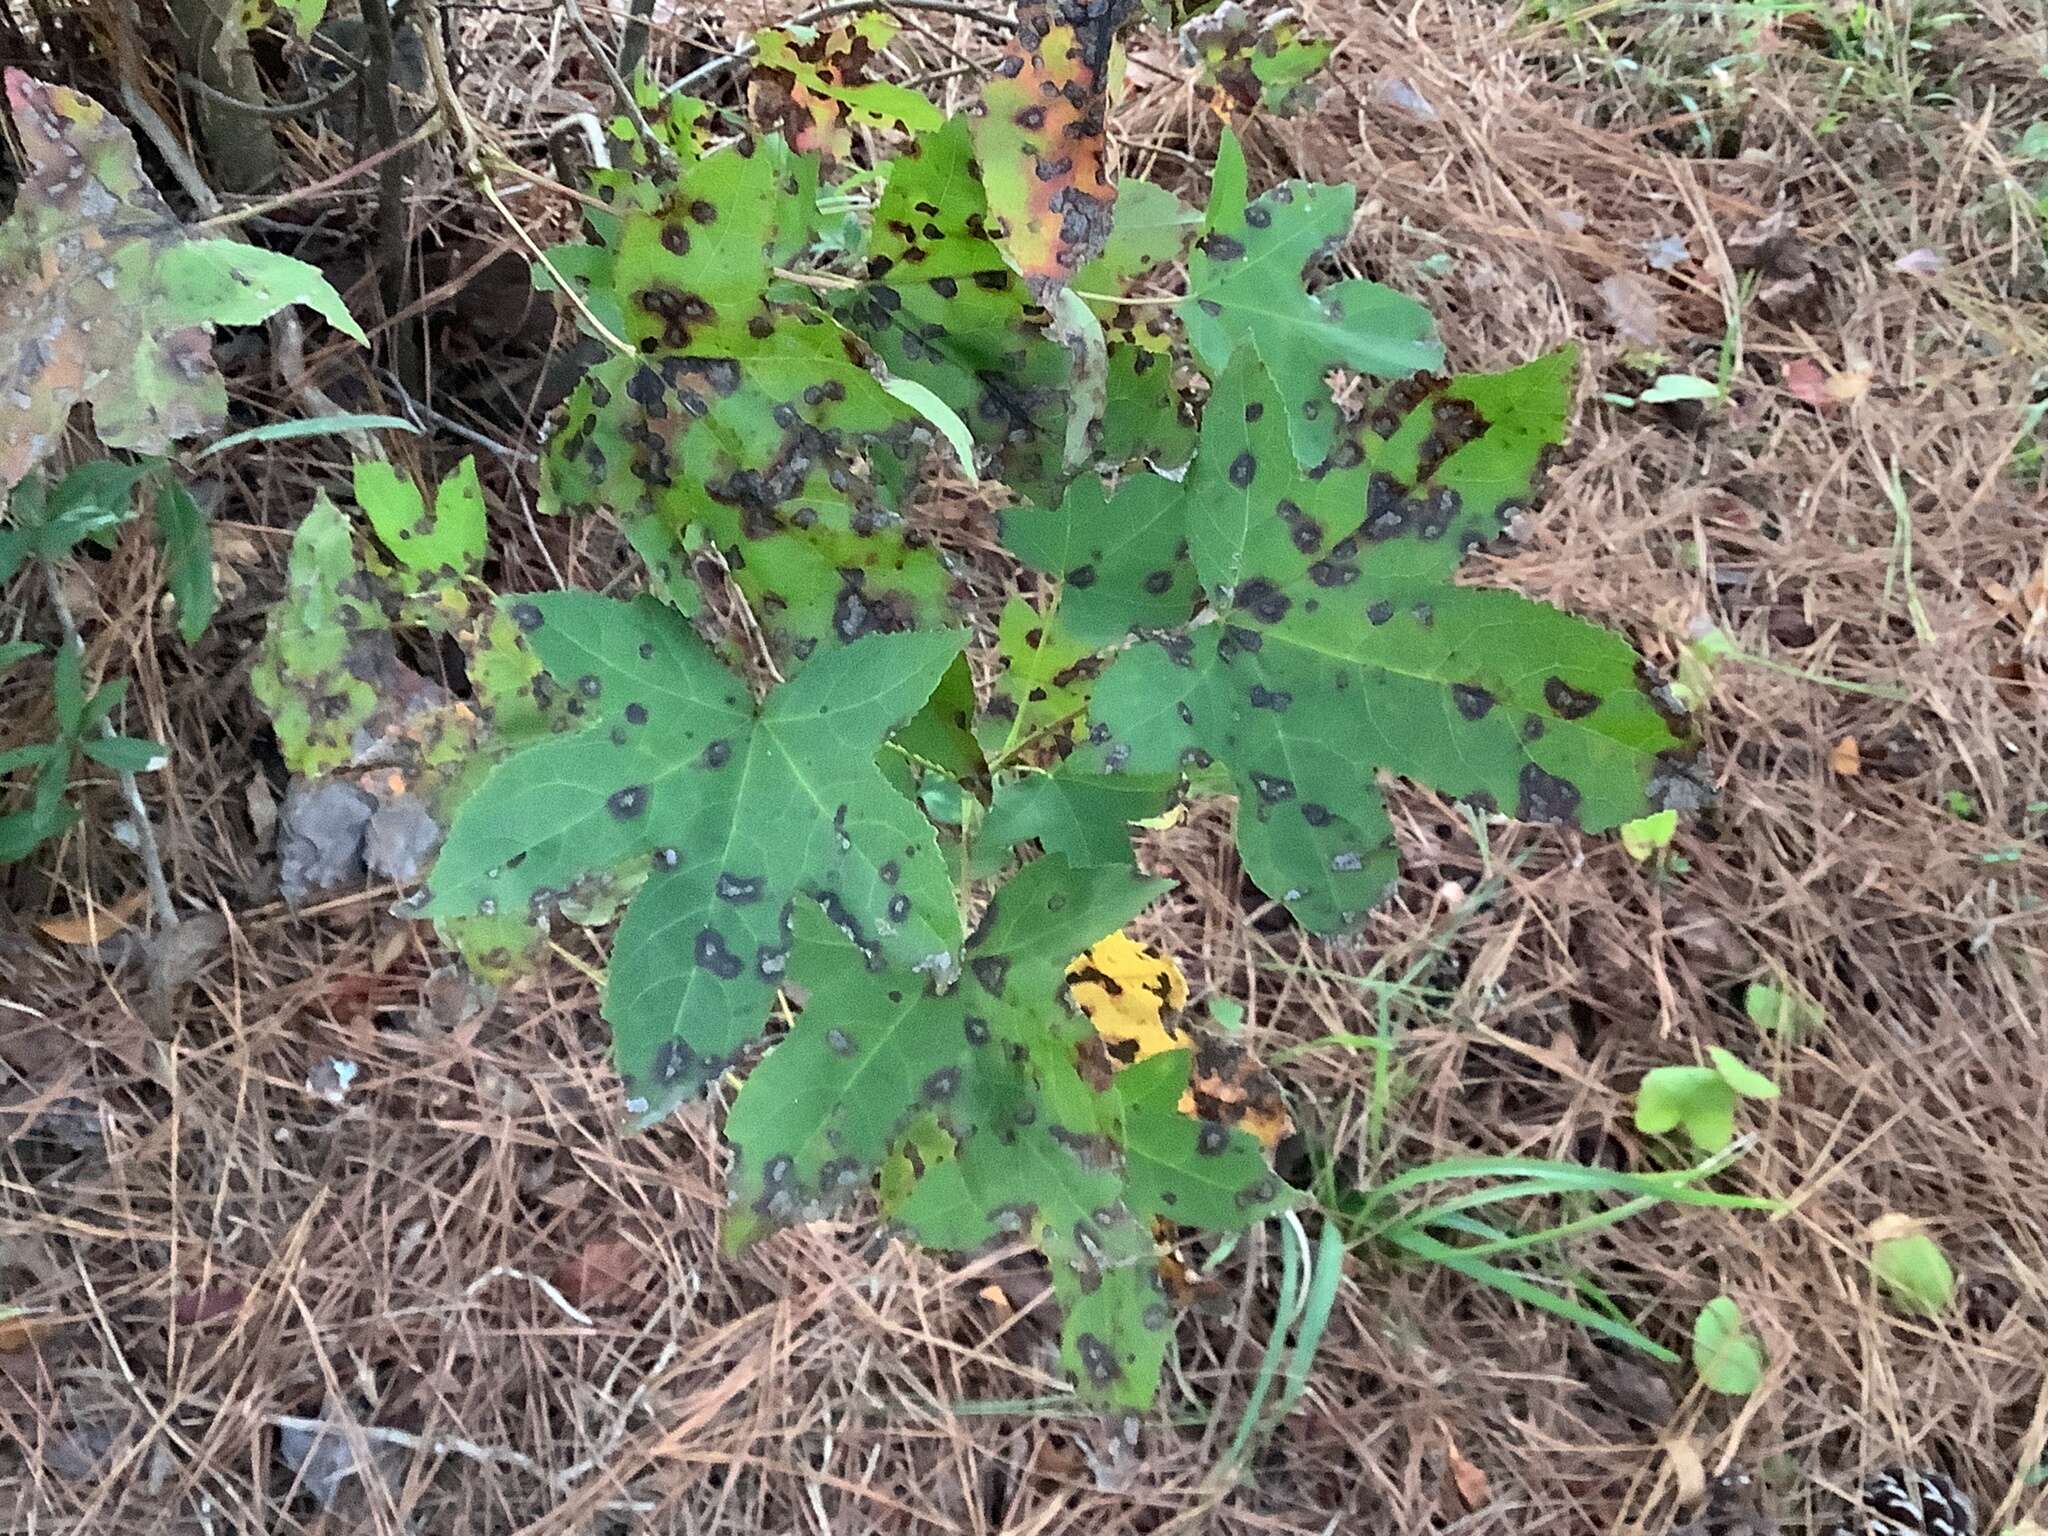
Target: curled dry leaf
(95, 924)
(603, 1273)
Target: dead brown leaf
(605, 1273)
(1846, 758)
(1474, 1491)
(95, 924)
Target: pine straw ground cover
(524, 1312)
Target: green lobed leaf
(734, 811)
(1084, 817)
(1245, 280)
(1343, 646)
(1122, 558)
(982, 1078)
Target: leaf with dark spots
(1132, 544)
(1312, 686)
(1245, 278)
(769, 805)
(770, 472)
(1248, 66)
(812, 84)
(943, 310)
(1025, 1131)
(1042, 690)
(1041, 142)
(1145, 416)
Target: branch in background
(628, 103)
(240, 144)
(633, 39)
(406, 360)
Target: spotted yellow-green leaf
(748, 418)
(1042, 689)
(735, 810)
(1342, 646)
(109, 299)
(814, 85)
(327, 638)
(1040, 137)
(444, 544)
(941, 307)
(1251, 65)
(1246, 280)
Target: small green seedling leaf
(1745, 1081)
(1727, 1354)
(1648, 835)
(1695, 1098)
(1679, 386)
(1911, 1269)
(1783, 1008)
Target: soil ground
(522, 1313)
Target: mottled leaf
(1246, 65)
(734, 810)
(812, 84)
(1042, 688)
(108, 300)
(1145, 417)
(1152, 228)
(327, 638)
(1040, 137)
(1343, 646)
(940, 307)
(748, 418)
(1245, 279)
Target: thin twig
(469, 1450)
(145, 834)
(473, 168)
(628, 103)
(281, 109)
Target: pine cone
(1903, 1501)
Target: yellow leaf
(96, 924)
(1130, 992)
